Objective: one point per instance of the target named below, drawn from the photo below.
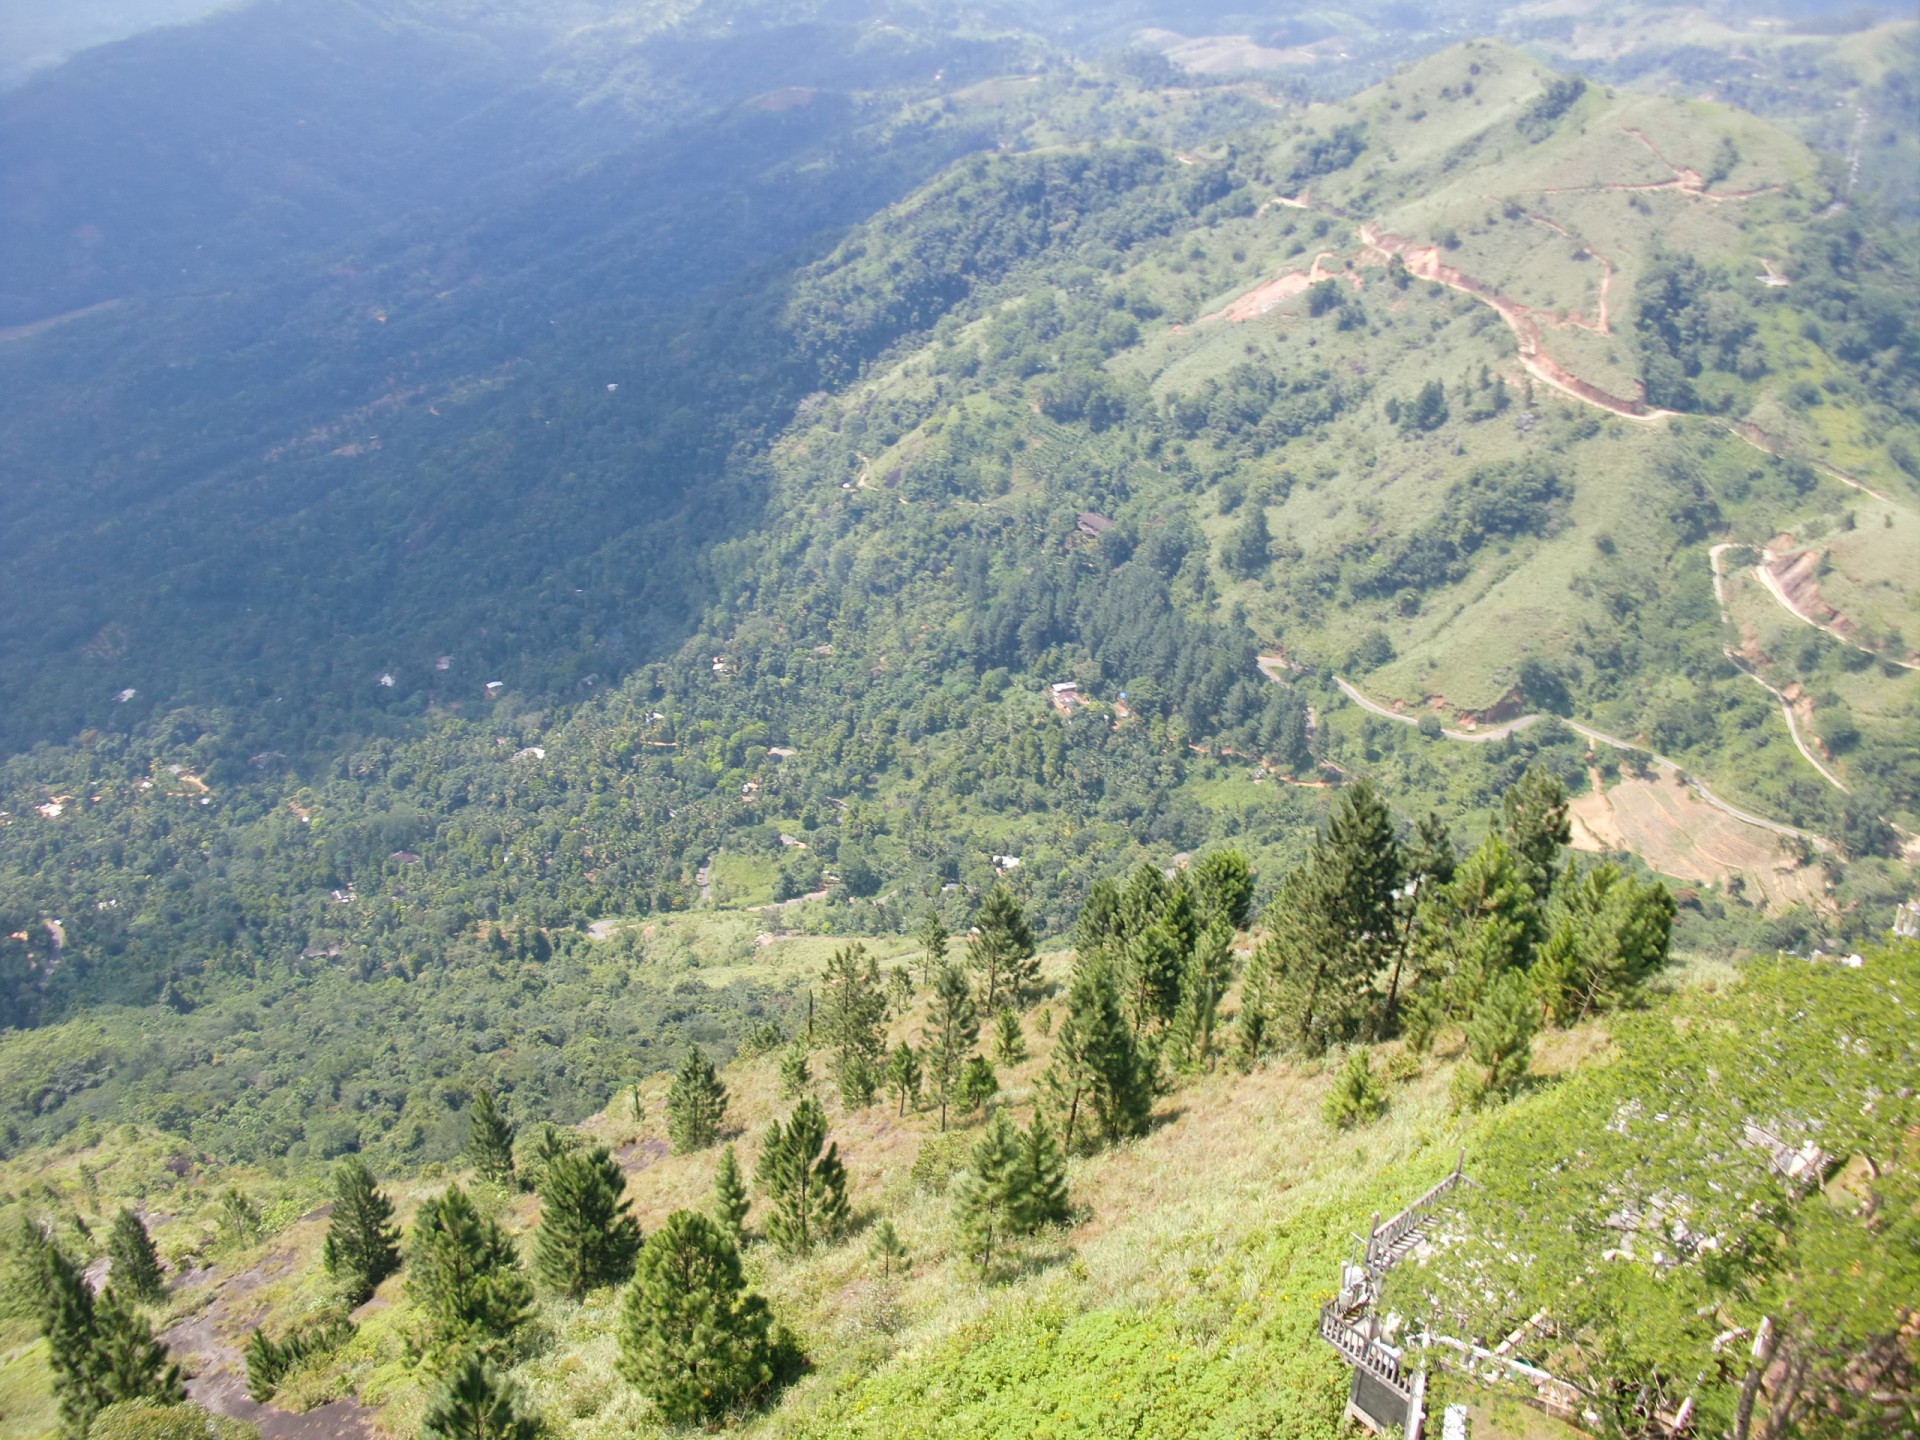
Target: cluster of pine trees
(1373, 936)
(101, 1348)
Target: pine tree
(23, 1289)
(136, 1264)
(1097, 1074)
(1533, 822)
(99, 1349)
(1144, 900)
(794, 1074)
(1009, 1044)
(550, 1142)
(1190, 1037)
(852, 1009)
(1098, 927)
(1499, 1040)
(887, 1250)
(362, 1246)
(978, 1085)
(903, 1075)
(1607, 934)
(490, 1141)
(934, 940)
(1331, 928)
(953, 1026)
(1475, 929)
(806, 1188)
(1153, 961)
(691, 1334)
(476, 1402)
(239, 1218)
(1001, 950)
(129, 1362)
(696, 1104)
(987, 1195)
(587, 1237)
(1042, 1187)
(1223, 889)
(730, 1203)
(1356, 1097)
(464, 1277)
(67, 1321)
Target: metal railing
(1379, 1253)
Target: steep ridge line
(1499, 732)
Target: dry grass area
(1669, 827)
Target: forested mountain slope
(507, 572)
(1342, 385)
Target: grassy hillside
(1181, 1298)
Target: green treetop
(696, 1104)
(851, 1011)
(730, 1203)
(803, 1180)
(1097, 1078)
(692, 1336)
(136, 1264)
(586, 1238)
(476, 1402)
(362, 1246)
(953, 1024)
(490, 1141)
(464, 1277)
(1001, 951)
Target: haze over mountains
(522, 518)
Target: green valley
(1358, 584)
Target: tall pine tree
(587, 1237)
(903, 1076)
(490, 1141)
(1042, 1173)
(692, 1336)
(934, 939)
(696, 1104)
(464, 1277)
(953, 1024)
(1001, 951)
(136, 1264)
(1223, 889)
(1098, 1078)
(1331, 929)
(851, 1011)
(99, 1349)
(803, 1180)
(730, 1203)
(362, 1246)
(988, 1194)
(1190, 1038)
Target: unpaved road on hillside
(1499, 732)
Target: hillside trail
(1424, 261)
(1500, 732)
(203, 1343)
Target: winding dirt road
(1500, 732)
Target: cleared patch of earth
(1668, 826)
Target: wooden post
(1373, 1228)
(1416, 1406)
(1461, 1163)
